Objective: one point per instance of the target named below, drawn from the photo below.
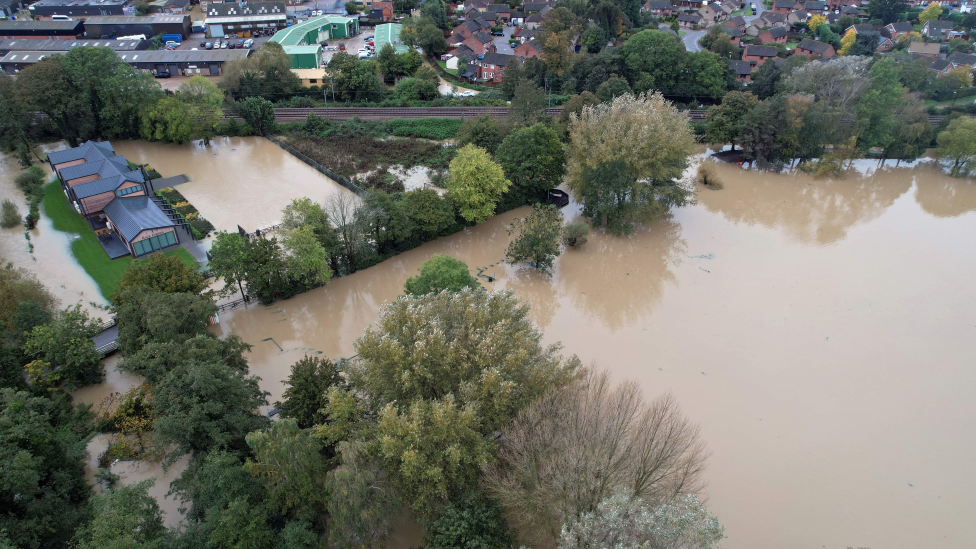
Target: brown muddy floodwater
(50, 260)
(244, 181)
(821, 332)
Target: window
(128, 190)
(312, 81)
(154, 243)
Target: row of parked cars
(227, 44)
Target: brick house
(786, 6)
(381, 11)
(814, 49)
(885, 44)
(925, 49)
(774, 35)
(959, 59)
(659, 8)
(691, 4)
(527, 50)
(757, 55)
(535, 7)
(815, 7)
(491, 68)
(898, 29)
(742, 70)
(710, 14)
(769, 19)
(690, 20)
(533, 21)
(798, 16)
(736, 21)
(480, 43)
(937, 29)
(500, 13)
(941, 67)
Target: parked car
(364, 53)
(203, 44)
(223, 46)
(248, 43)
(240, 43)
(172, 44)
(208, 45)
(162, 74)
(342, 47)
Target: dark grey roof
(959, 58)
(232, 9)
(11, 27)
(534, 18)
(691, 17)
(760, 51)
(30, 44)
(659, 5)
(517, 14)
(938, 24)
(136, 19)
(741, 68)
(737, 21)
(815, 5)
(132, 215)
(538, 6)
(499, 8)
(777, 32)
(901, 27)
(940, 65)
(788, 4)
(81, 151)
(774, 17)
(464, 51)
(861, 28)
(812, 45)
(500, 59)
(103, 166)
(851, 10)
(483, 37)
(733, 32)
(105, 185)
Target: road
(691, 37)
(501, 42)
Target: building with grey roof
(149, 25)
(81, 8)
(175, 62)
(62, 30)
(61, 46)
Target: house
(898, 29)
(930, 50)
(114, 199)
(728, 8)
(733, 32)
(815, 7)
(710, 14)
(776, 34)
(172, 7)
(736, 21)
(659, 8)
(959, 59)
(527, 50)
(533, 21)
(885, 44)
(798, 16)
(500, 13)
(742, 70)
(690, 20)
(467, 29)
(937, 29)
(770, 19)
(465, 52)
(491, 68)
(691, 4)
(535, 7)
(786, 6)
(851, 10)
(480, 43)
(941, 67)
(477, 5)
(757, 55)
(381, 11)
(230, 18)
(516, 17)
(814, 49)
(311, 77)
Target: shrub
(9, 216)
(706, 176)
(301, 102)
(31, 177)
(441, 272)
(574, 234)
(426, 128)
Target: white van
(61, 18)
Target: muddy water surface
(235, 181)
(819, 331)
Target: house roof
(657, 5)
(8, 26)
(105, 185)
(539, 6)
(103, 149)
(850, 10)
(483, 37)
(135, 19)
(900, 27)
(777, 32)
(737, 21)
(787, 4)
(500, 59)
(741, 68)
(390, 34)
(31, 44)
(381, 5)
(922, 47)
(815, 5)
(295, 34)
(534, 18)
(690, 17)
(812, 45)
(940, 65)
(959, 58)
(498, 8)
(132, 215)
(733, 32)
(939, 25)
(861, 28)
(773, 17)
(800, 14)
(760, 51)
(96, 164)
(465, 51)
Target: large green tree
(439, 273)
(305, 396)
(287, 460)
(476, 183)
(533, 159)
(162, 273)
(654, 60)
(125, 517)
(888, 11)
(536, 238)
(957, 143)
(723, 120)
(66, 344)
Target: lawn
(85, 246)
(443, 65)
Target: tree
(440, 273)
(266, 73)
(430, 214)
(646, 141)
(654, 60)
(574, 234)
(305, 398)
(287, 460)
(930, 13)
(958, 144)
(42, 481)
(414, 89)
(146, 317)
(66, 344)
(588, 441)
(424, 32)
(307, 261)
(169, 119)
(204, 101)
(162, 273)
(433, 451)
(475, 522)
(723, 120)
(352, 8)
(361, 501)
(419, 350)
(576, 104)
(815, 22)
(613, 87)
(434, 10)
(537, 238)
(620, 521)
(875, 109)
(533, 159)
(125, 516)
(19, 286)
(229, 260)
(528, 104)
(302, 212)
(765, 80)
(483, 131)
(557, 52)
(476, 183)
(847, 42)
(888, 11)
(205, 406)
(10, 217)
(259, 113)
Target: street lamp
(954, 97)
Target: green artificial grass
(85, 246)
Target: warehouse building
(61, 46)
(10, 7)
(317, 30)
(250, 19)
(150, 25)
(42, 30)
(390, 34)
(44, 9)
(304, 57)
(175, 62)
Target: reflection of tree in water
(619, 279)
(537, 290)
(810, 211)
(944, 196)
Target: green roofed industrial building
(304, 57)
(302, 41)
(390, 34)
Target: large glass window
(128, 190)
(154, 243)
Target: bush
(441, 272)
(706, 176)
(426, 128)
(301, 102)
(574, 234)
(31, 177)
(9, 216)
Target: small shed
(304, 57)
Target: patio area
(113, 245)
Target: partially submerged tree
(439, 273)
(125, 516)
(476, 183)
(305, 398)
(536, 238)
(958, 145)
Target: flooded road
(244, 181)
(50, 259)
(819, 331)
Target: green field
(85, 246)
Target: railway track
(285, 114)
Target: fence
(342, 180)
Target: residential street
(691, 37)
(501, 42)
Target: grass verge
(85, 247)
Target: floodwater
(819, 331)
(244, 181)
(51, 258)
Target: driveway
(691, 38)
(760, 8)
(501, 42)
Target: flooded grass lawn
(85, 247)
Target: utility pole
(325, 94)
